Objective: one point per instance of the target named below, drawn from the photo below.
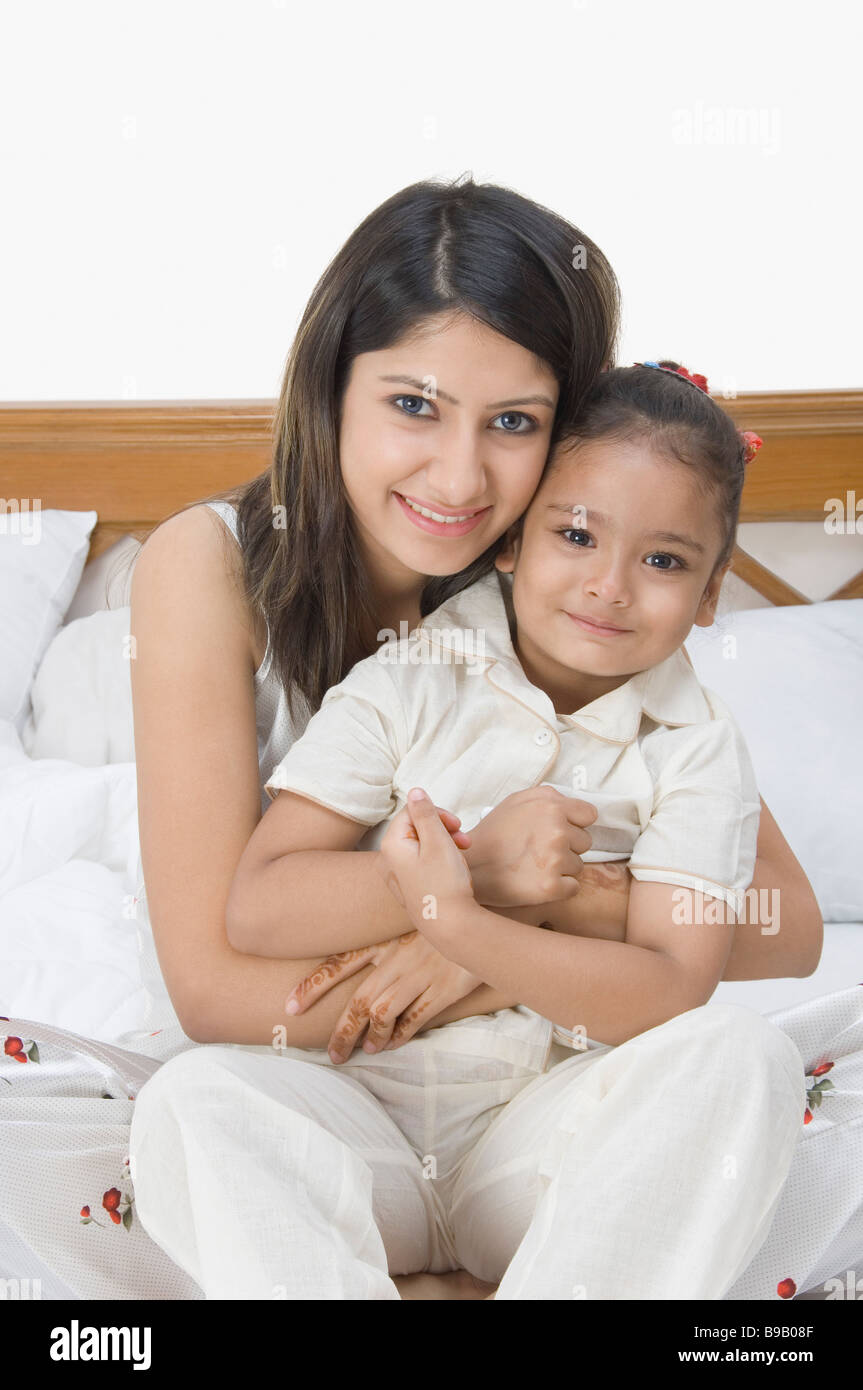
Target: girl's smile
(597, 629)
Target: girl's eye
(676, 562)
(574, 531)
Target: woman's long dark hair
(435, 246)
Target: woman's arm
(199, 792)
(789, 939)
(790, 945)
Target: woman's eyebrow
(422, 386)
(673, 536)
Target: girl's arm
(610, 991)
(199, 793)
(300, 887)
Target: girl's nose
(608, 583)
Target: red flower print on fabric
(20, 1050)
(815, 1092)
(115, 1202)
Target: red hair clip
(694, 377)
(752, 442)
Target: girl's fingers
(580, 812)
(330, 972)
(569, 887)
(451, 823)
(574, 864)
(580, 841)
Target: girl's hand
(422, 867)
(528, 849)
(412, 983)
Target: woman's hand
(412, 982)
(528, 849)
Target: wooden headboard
(136, 462)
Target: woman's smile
(439, 521)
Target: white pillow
(793, 677)
(42, 556)
(82, 694)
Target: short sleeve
(703, 830)
(348, 753)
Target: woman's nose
(455, 474)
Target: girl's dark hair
(674, 417)
(433, 247)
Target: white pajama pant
(650, 1170)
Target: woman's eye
(577, 532)
(514, 421)
(661, 555)
(413, 404)
(518, 418)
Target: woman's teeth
(436, 516)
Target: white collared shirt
(449, 708)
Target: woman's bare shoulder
(193, 558)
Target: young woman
(440, 357)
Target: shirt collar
(668, 693)
(476, 621)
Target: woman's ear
(506, 558)
(709, 599)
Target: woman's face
(442, 443)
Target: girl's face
(612, 566)
(442, 442)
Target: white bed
(75, 950)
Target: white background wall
(175, 174)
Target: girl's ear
(709, 599)
(507, 556)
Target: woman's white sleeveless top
(275, 730)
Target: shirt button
(543, 737)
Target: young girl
(500, 1148)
